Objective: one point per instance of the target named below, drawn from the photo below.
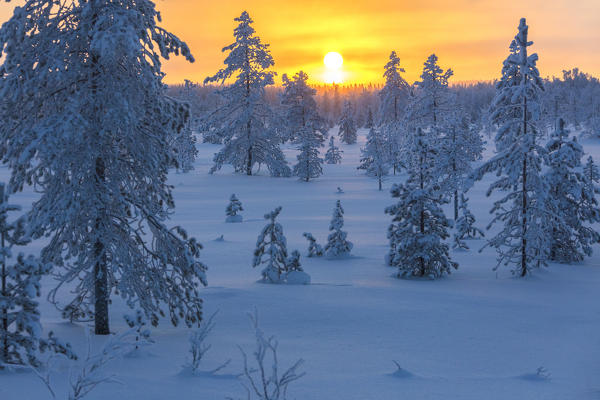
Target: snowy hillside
(475, 334)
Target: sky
(469, 36)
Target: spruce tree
(347, 132)
(460, 146)
(271, 250)
(374, 158)
(314, 248)
(21, 338)
(394, 94)
(392, 106)
(333, 154)
(337, 245)
(572, 233)
(300, 110)
(464, 228)
(369, 123)
(526, 211)
(419, 226)
(309, 163)
(591, 175)
(429, 106)
(233, 208)
(246, 122)
(89, 128)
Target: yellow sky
(470, 36)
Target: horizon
(471, 37)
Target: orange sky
(470, 36)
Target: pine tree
(464, 226)
(293, 262)
(271, 250)
(347, 131)
(309, 162)
(592, 176)
(183, 143)
(369, 123)
(314, 248)
(89, 127)
(394, 93)
(430, 105)
(460, 146)
(233, 208)
(337, 245)
(20, 327)
(333, 154)
(246, 122)
(301, 114)
(419, 226)
(573, 238)
(374, 159)
(393, 101)
(525, 211)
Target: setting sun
(333, 67)
(333, 60)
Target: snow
(476, 334)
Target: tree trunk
(455, 206)
(422, 217)
(4, 310)
(101, 291)
(524, 189)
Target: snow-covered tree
(591, 175)
(429, 105)
(232, 209)
(337, 245)
(183, 143)
(21, 338)
(300, 109)
(293, 262)
(574, 199)
(271, 250)
(394, 94)
(333, 154)
(246, 122)
(464, 226)
(393, 100)
(419, 226)
(309, 163)
(432, 99)
(525, 211)
(369, 123)
(347, 132)
(374, 159)
(89, 128)
(314, 248)
(460, 146)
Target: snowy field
(476, 334)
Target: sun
(333, 60)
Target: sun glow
(333, 63)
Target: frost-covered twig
(84, 378)
(259, 382)
(198, 348)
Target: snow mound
(234, 218)
(401, 372)
(297, 278)
(541, 374)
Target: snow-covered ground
(476, 334)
